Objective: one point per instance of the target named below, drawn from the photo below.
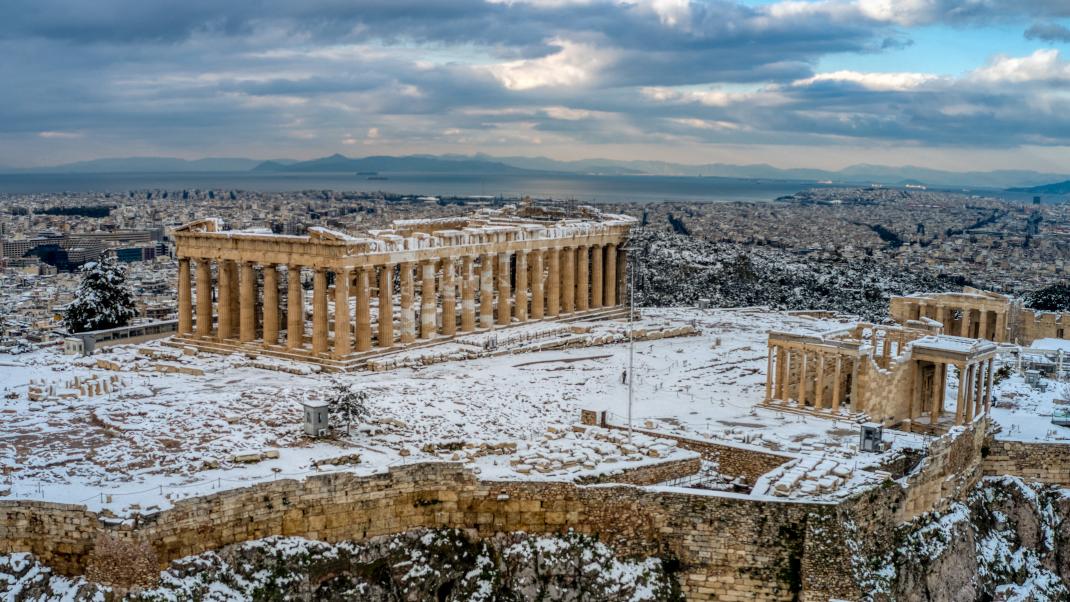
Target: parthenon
(499, 267)
(972, 313)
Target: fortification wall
(1043, 462)
(1030, 325)
(950, 469)
(729, 547)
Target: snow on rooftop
(1051, 345)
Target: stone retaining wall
(729, 547)
(1043, 462)
(651, 474)
(951, 467)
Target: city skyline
(822, 84)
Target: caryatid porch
(420, 281)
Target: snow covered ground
(154, 435)
(1024, 413)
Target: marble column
(343, 344)
(837, 387)
(819, 382)
(982, 330)
(971, 392)
(622, 277)
(408, 316)
(295, 308)
(990, 373)
(486, 291)
(247, 330)
(609, 290)
(939, 374)
(964, 327)
(520, 303)
(235, 296)
(979, 389)
(468, 294)
(204, 298)
(960, 401)
(271, 304)
(1001, 327)
(319, 311)
(596, 276)
(364, 308)
(583, 291)
(941, 317)
(802, 379)
(428, 309)
(538, 297)
(769, 372)
(553, 284)
(568, 280)
(386, 305)
(226, 306)
(185, 298)
(505, 309)
(449, 297)
(782, 367)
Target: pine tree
(351, 404)
(103, 299)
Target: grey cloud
(1049, 32)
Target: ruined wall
(949, 470)
(1029, 325)
(648, 475)
(887, 392)
(1043, 462)
(728, 546)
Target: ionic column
(596, 276)
(468, 295)
(609, 291)
(319, 311)
(583, 291)
(271, 304)
(568, 280)
(204, 298)
(408, 318)
(342, 343)
(185, 298)
(427, 298)
(988, 389)
(449, 298)
(537, 295)
(226, 292)
(979, 390)
(386, 305)
(837, 386)
(960, 402)
(783, 367)
(248, 303)
(486, 291)
(364, 309)
(802, 379)
(295, 308)
(505, 310)
(520, 304)
(819, 386)
(553, 281)
(939, 384)
(971, 382)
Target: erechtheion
(421, 281)
(892, 374)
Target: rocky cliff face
(1009, 541)
(421, 565)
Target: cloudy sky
(956, 84)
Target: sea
(579, 187)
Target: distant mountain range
(1019, 180)
(1058, 188)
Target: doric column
(837, 387)
(427, 300)
(568, 280)
(783, 362)
(596, 276)
(583, 291)
(939, 374)
(408, 317)
(505, 310)
(468, 294)
(553, 283)
(343, 345)
(295, 308)
(520, 303)
(982, 330)
(941, 317)
(486, 291)
(609, 288)
(964, 327)
(386, 305)
(185, 298)
(204, 297)
(248, 302)
(970, 384)
(226, 291)
(364, 308)
(802, 378)
(1001, 327)
(538, 297)
(271, 304)
(769, 373)
(819, 386)
(449, 297)
(319, 311)
(235, 294)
